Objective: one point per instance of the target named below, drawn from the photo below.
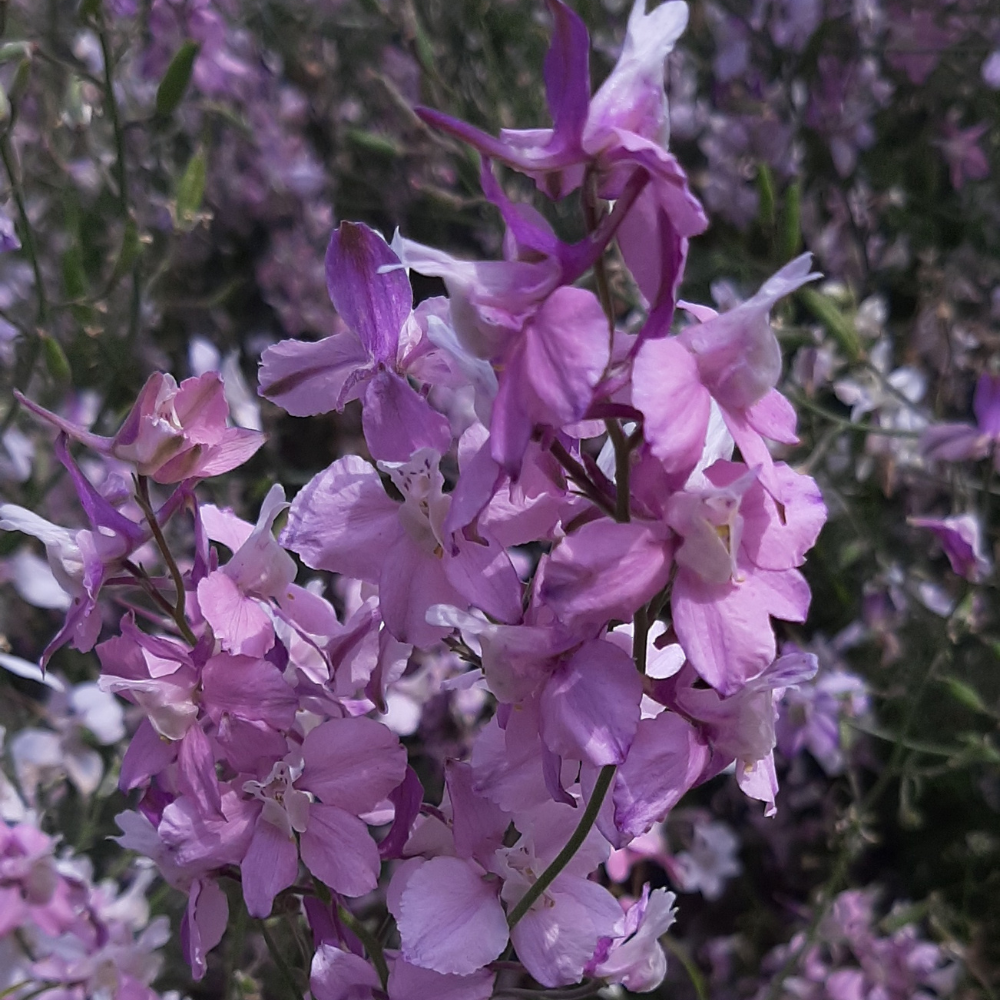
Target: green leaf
(765, 190)
(128, 254)
(965, 694)
(55, 359)
(791, 221)
(176, 79)
(90, 9)
(372, 142)
(190, 191)
(10, 51)
(833, 318)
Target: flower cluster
(555, 495)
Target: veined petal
(368, 287)
(338, 849)
(450, 919)
(352, 763)
(342, 521)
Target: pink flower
(172, 432)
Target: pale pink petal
(773, 417)
(248, 688)
(239, 622)
(725, 628)
(674, 403)
(777, 535)
(412, 580)
(605, 570)
(204, 924)
(557, 937)
(565, 354)
(482, 572)
(450, 919)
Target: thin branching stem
(566, 855)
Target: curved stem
(574, 844)
(368, 939)
(177, 612)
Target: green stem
(566, 855)
(640, 637)
(848, 425)
(279, 960)
(111, 106)
(683, 956)
(10, 165)
(622, 465)
(578, 474)
(368, 939)
(142, 498)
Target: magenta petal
(510, 423)
(196, 771)
(352, 763)
(204, 923)
(340, 975)
(342, 520)
(308, 378)
(567, 74)
(397, 421)
(478, 824)
(147, 754)
(450, 919)
(665, 760)
(373, 302)
(566, 349)
(249, 689)
(604, 570)
(338, 849)
(410, 982)
(590, 705)
(986, 404)
(270, 865)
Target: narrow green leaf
(191, 190)
(10, 51)
(791, 221)
(765, 191)
(965, 694)
(128, 254)
(836, 322)
(176, 79)
(55, 359)
(372, 142)
(90, 9)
